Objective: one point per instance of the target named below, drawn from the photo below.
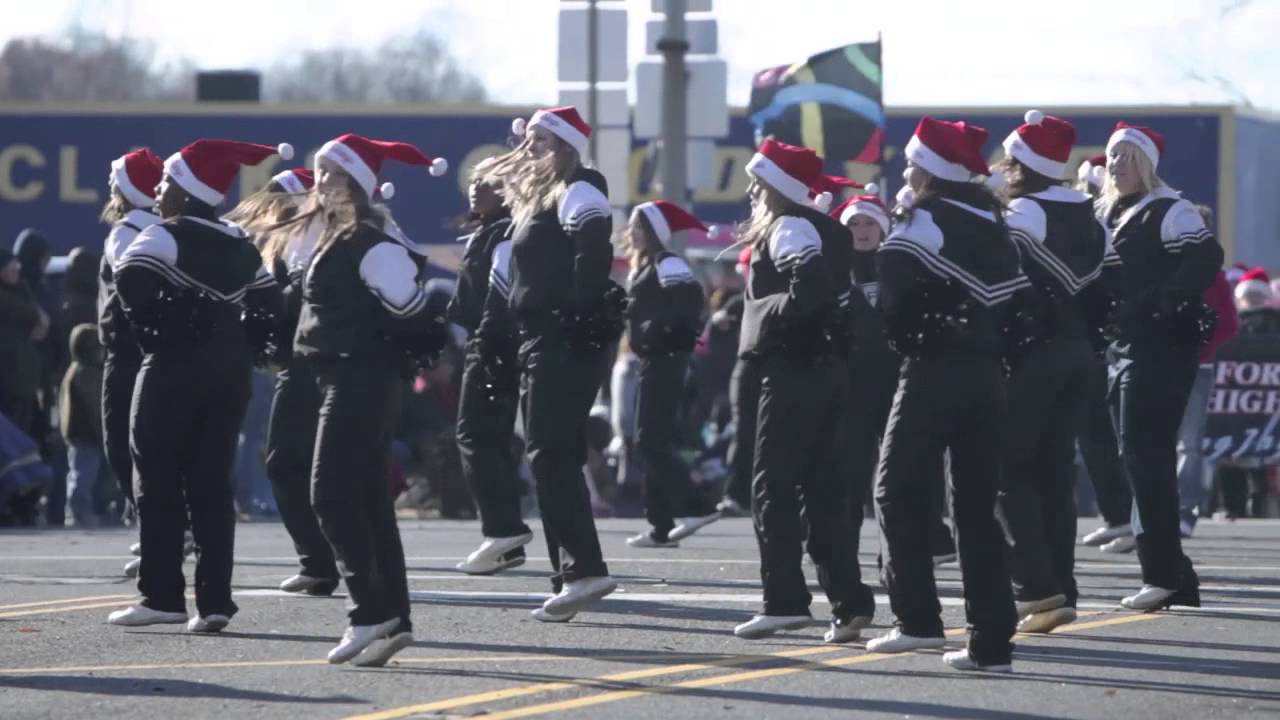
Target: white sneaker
(690, 525)
(847, 632)
(895, 641)
(962, 660)
(140, 615)
(495, 555)
(1121, 545)
(578, 594)
(1045, 621)
(135, 549)
(208, 623)
(309, 585)
(647, 540)
(762, 626)
(1037, 606)
(131, 568)
(1104, 535)
(1148, 598)
(381, 650)
(359, 637)
(541, 615)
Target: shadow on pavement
(157, 687)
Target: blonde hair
(765, 210)
(115, 208)
(1147, 178)
(532, 184)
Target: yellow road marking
(733, 678)
(41, 603)
(515, 692)
(66, 608)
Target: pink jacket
(1220, 298)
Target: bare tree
(407, 69)
(90, 67)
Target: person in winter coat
(663, 318)
(1162, 260)
(23, 324)
(32, 249)
(80, 410)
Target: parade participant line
(740, 677)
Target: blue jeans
(252, 487)
(84, 464)
(1191, 462)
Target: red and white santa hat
(206, 168)
(566, 122)
(827, 188)
(137, 174)
(295, 181)
(362, 158)
(1093, 170)
(1254, 281)
(667, 219)
(869, 205)
(796, 172)
(1150, 142)
(948, 150)
(1043, 143)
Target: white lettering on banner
(1247, 374)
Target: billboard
(54, 161)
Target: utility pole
(593, 73)
(673, 46)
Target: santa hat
(827, 188)
(1093, 170)
(796, 172)
(667, 218)
(362, 158)
(948, 150)
(1043, 143)
(206, 168)
(295, 181)
(869, 205)
(1254, 281)
(137, 174)
(565, 122)
(1150, 142)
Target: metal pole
(673, 46)
(593, 46)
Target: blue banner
(53, 166)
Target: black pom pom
(940, 310)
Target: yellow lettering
(69, 190)
(9, 189)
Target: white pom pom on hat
(518, 126)
(1033, 117)
(822, 201)
(872, 188)
(387, 190)
(439, 166)
(285, 150)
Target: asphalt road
(660, 648)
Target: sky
(936, 52)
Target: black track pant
(801, 403)
(744, 399)
(350, 484)
(486, 427)
(953, 402)
(119, 371)
(558, 384)
(1046, 397)
(1148, 397)
(669, 491)
(1101, 451)
(291, 442)
(872, 379)
(188, 406)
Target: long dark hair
(1021, 180)
(648, 248)
(970, 193)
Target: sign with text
(1244, 408)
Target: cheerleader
(1061, 244)
(566, 309)
(490, 381)
(363, 310)
(793, 330)
(663, 315)
(183, 285)
(134, 177)
(1162, 260)
(295, 406)
(1097, 436)
(947, 274)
